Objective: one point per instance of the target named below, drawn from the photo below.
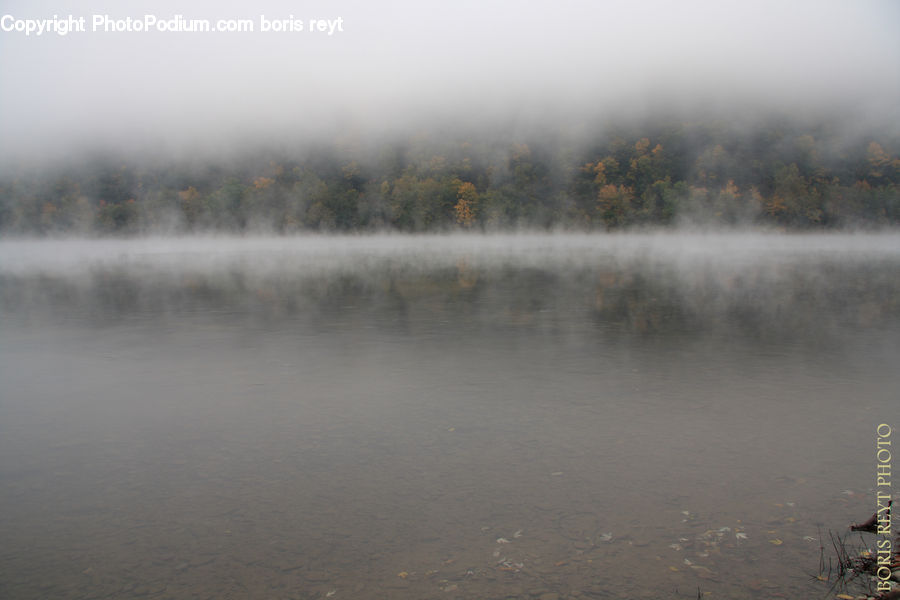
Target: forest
(712, 173)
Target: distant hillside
(661, 174)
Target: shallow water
(366, 417)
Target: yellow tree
(641, 146)
(614, 204)
(881, 164)
(600, 173)
(467, 204)
(607, 170)
(261, 183)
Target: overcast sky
(398, 61)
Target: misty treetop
(632, 176)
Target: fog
(745, 284)
(718, 251)
(400, 65)
(210, 388)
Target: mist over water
(439, 416)
(661, 280)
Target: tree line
(712, 174)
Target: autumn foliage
(466, 204)
(660, 175)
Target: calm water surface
(440, 417)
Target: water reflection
(656, 290)
(370, 418)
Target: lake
(452, 416)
